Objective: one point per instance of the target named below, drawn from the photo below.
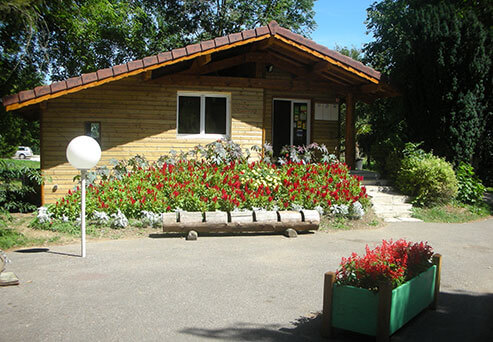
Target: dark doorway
(281, 125)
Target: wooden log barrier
(214, 222)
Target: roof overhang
(351, 75)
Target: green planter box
(380, 313)
(356, 309)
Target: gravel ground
(231, 288)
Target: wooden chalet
(262, 85)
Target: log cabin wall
(137, 117)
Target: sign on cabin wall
(326, 111)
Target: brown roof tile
(235, 37)
(90, 77)
(194, 48)
(151, 60)
(120, 69)
(261, 31)
(105, 73)
(220, 41)
(42, 90)
(208, 44)
(10, 99)
(74, 82)
(58, 86)
(249, 34)
(272, 29)
(134, 65)
(177, 53)
(26, 95)
(273, 26)
(164, 56)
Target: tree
(49, 40)
(438, 54)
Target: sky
(341, 22)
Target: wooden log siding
(137, 117)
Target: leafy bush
(396, 262)
(471, 190)
(19, 187)
(430, 179)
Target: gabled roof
(273, 30)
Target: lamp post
(83, 153)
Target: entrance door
(290, 123)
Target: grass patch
(23, 163)
(10, 238)
(453, 213)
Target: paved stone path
(231, 288)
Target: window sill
(202, 136)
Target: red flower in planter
(394, 261)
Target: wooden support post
(384, 307)
(437, 260)
(326, 328)
(350, 131)
(42, 107)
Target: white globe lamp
(83, 153)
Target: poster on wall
(326, 111)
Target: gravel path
(231, 288)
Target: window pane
(189, 114)
(215, 115)
(93, 129)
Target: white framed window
(203, 114)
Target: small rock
(290, 233)
(192, 235)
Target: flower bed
(378, 293)
(200, 186)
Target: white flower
(357, 210)
(119, 220)
(150, 219)
(101, 217)
(43, 215)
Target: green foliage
(453, 213)
(471, 190)
(439, 55)
(430, 179)
(19, 187)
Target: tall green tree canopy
(438, 54)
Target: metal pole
(83, 212)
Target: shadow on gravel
(183, 235)
(32, 250)
(459, 317)
(44, 250)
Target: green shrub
(471, 190)
(430, 179)
(19, 187)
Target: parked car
(23, 152)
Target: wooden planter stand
(379, 314)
